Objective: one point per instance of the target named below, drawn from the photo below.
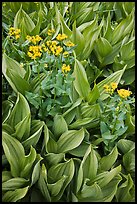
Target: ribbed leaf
(42, 183)
(126, 191)
(19, 112)
(59, 125)
(14, 196)
(70, 140)
(14, 183)
(14, 152)
(103, 47)
(125, 145)
(53, 158)
(81, 82)
(109, 176)
(56, 172)
(106, 162)
(28, 164)
(6, 175)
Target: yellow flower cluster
(52, 47)
(124, 93)
(65, 68)
(34, 52)
(51, 31)
(69, 44)
(14, 32)
(34, 39)
(110, 88)
(61, 37)
(65, 54)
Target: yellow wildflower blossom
(34, 39)
(61, 37)
(113, 85)
(34, 52)
(69, 44)
(51, 31)
(65, 54)
(124, 93)
(15, 32)
(65, 68)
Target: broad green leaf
(34, 138)
(53, 158)
(56, 172)
(56, 187)
(14, 196)
(123, 28)
(130, 122)
(125, 145)
(22, 15)
(106, 162)
(127, 48)
(78, 39)
(90, 193)
(109, 59)
(109, 29)
(129, 160)
(114, 77)
(14, 183)
(93, 94)
(28, 164)
(46, 137)
(103, 47)
(59, 125)
(110, 189)
(42, 184)
(90, 163)
(70, 140)
(92, 111)
(22, 128)
(13, 150)
(109, 176)
(19, 112)
(80, 150)
(36, 171)
(6, 110)
(88, 167)
(126, 191)
(6, 175)
(70, 113)
(81, 82)
(36, 30)
(60, 19)
(12, 64)
(52, 146)
(14, 74)
(85, 122)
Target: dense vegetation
(68, 104)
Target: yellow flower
(113, 85)
(61, 37)
(69, 44)
(65, 54)
(14, 32)
(58, 50)
(107, 88)
(50, 32)
(124, 93)
(17, 36)
(65, 68)
(34, 39)
(34, 52)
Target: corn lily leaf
(70, 140)
(14, 196)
